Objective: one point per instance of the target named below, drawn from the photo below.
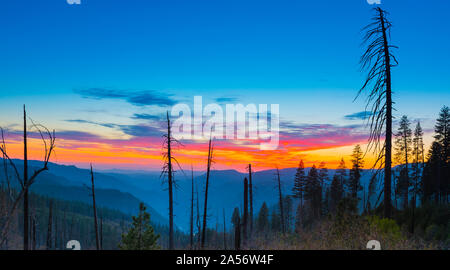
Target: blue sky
(302, 55)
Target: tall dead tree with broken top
(280, 195)
(205, 210)
(25, 181)
(168, 145)
(245, 217)
(250, 190)
(191, 220)
(199, 226)
(97, 240)
(378, 60)
(168, 169)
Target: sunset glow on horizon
(145, 153)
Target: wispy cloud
(137, 98)
(223, 100)
(358, 116)
(132, 130)
(81, 121)
(140, 130)
(145, 116)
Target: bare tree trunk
(199, 228)
(97, 242)
(192, 211)
(170, 182)
(49, 230)
(281, 202)
(245, 217)
(205, 211)
(250, 186)
(388, 137)
(25, 180)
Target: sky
(102, 74)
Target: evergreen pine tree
(275, 224)
(299, 218)
(323, 179)
(341, 174)
(431, 174)
(418, 159)
(403, 151)
(336, 193)
(442, 132)
(354, 184)
(141, 235)
(299, 182)
(287, 205)
(313, 192)
(235, 217)
(262, 222)
(442, 137)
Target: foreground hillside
(73, 184)
(73, 220)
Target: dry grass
(327, 235)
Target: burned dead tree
(168, 144)
(245, 217)
(168, 168)
(97, 240)
(378, 61)
(205, 210)
(280, 195)
(25, 181)
(191, 219)
(250, 190)
(199, 227)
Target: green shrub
(387, 227)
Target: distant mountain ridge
(73, 184)
(123, 190)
